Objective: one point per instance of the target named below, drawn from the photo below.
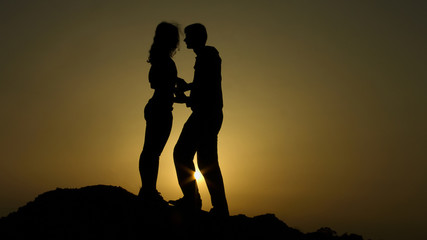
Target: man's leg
(209, 167)
(183, 155)
(207, 159)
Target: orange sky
(324, 103)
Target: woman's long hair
(165, 43)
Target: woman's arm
(182, 85)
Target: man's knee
(207, 160)
(182, 153)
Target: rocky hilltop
(108, 212)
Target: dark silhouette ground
(107, 212)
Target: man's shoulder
(210, 54)
(211, 51)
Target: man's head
(195, 36)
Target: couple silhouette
(200, 132)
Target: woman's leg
(156, 135)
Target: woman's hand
(182, 85)
(180, 97)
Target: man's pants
(200, 135)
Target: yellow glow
(198, 175)
(317, 101)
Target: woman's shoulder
(163, 67)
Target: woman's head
(166, 41)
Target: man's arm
(181, 87)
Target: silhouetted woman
(158, 111)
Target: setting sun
(198, 175)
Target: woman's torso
(162, 78)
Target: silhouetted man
(200, 132)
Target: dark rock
(108, 212)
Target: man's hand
(182, 85)
(180, 97)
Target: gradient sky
(325, 105)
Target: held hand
(181, 85)
(180, 97)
